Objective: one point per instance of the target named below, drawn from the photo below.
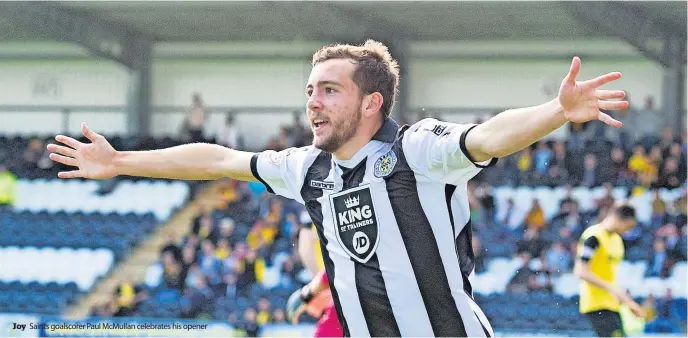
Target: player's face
(334, 104)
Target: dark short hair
(625, 212)
(376, 70)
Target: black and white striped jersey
(393, 222)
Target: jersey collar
(386, 134)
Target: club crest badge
(385, 164)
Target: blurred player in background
(600, 249)
(389, 203)
(315, 297)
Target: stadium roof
(287, 21)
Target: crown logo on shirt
(351, 202)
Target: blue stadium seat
(679, 307)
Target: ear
(371, 105)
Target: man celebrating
(389, 204)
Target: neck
(608, 225)
(362, 137)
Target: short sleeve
(282, 172)
(588, 250)
(438, 151)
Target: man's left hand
(582, 100)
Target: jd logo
(356, 223)
(361, 242)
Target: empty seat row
(82, 266)
(550, 198)
(49, 303)
(140, 197)
(500, 271)
(54, 225)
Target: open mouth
(319, 123)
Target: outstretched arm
(515, 129)
(198, 161)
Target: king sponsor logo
(356, 222)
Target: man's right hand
(625, 298)
(94, 160)
(637, 310)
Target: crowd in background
(225, 257)
(231, 248)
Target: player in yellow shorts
(600, 249)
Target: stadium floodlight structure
(115, 42)
(640, 28)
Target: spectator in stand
(666, 141)
(230, 280)
(263, 317)
(189, 258)
(298, 133)
(194, 123)
(680, 208)
(559, 155)
(520, 282)
(531, 243)
(642, 166)
(127, 298)
(485, 197)
(172, 247)
(607, 201)
(33, 153)
(670, 176)
(232, 191)
(210, 265)
(540, 278)
(673, 242)
(279, 317)
(591, 172)
(227, 227)
(229, 135)
(35, 159)
(536, 216)
(172, 272)
(509, 217)
(204, 226)
(558, 259)
(197, 298)
(543, 157)
(578, 136)
(262, 235)
(8, 188)
(248, 271)
(622, 175)
(659, 260)
(192, 275)
(223, 249)
(524, 161)
(556, 176)
(667, 321)
(249, 324)
(659, 211)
